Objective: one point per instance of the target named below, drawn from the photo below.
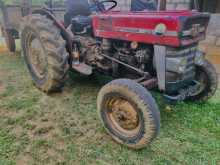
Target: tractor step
(82, 68)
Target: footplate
(82, 68)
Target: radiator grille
(189, 54)
(190, 68)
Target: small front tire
(129, 113)
(207, 76)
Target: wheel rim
(36, 55)
(123, 116)
(202, 78)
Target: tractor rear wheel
(44, 52)
(129, 113)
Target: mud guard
(65, 34)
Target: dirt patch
(3, 74)
(4, 113)
(55, 155)
(42, 129)
(24, 159)
(3, 50)
(17, 131)
(2, 87)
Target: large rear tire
(44, 52)
(129, 113)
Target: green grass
(65, 128)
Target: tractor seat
(75, 8)
(81, 24)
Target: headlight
(160, 29)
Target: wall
(123, 5)
(172, 4)
(178, 4)
(212, 43)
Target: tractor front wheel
(129, 113)
(208, 78)
(44, 52)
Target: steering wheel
(101, 5)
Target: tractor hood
(171, 28)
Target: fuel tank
(169, 28)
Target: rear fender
(65, 34)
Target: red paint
(106, 25)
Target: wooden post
(26, 7)
(196, 5)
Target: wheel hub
(37, 57)
(123, 115)
(202, 79)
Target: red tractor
(142, 50)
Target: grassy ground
(65, 128)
